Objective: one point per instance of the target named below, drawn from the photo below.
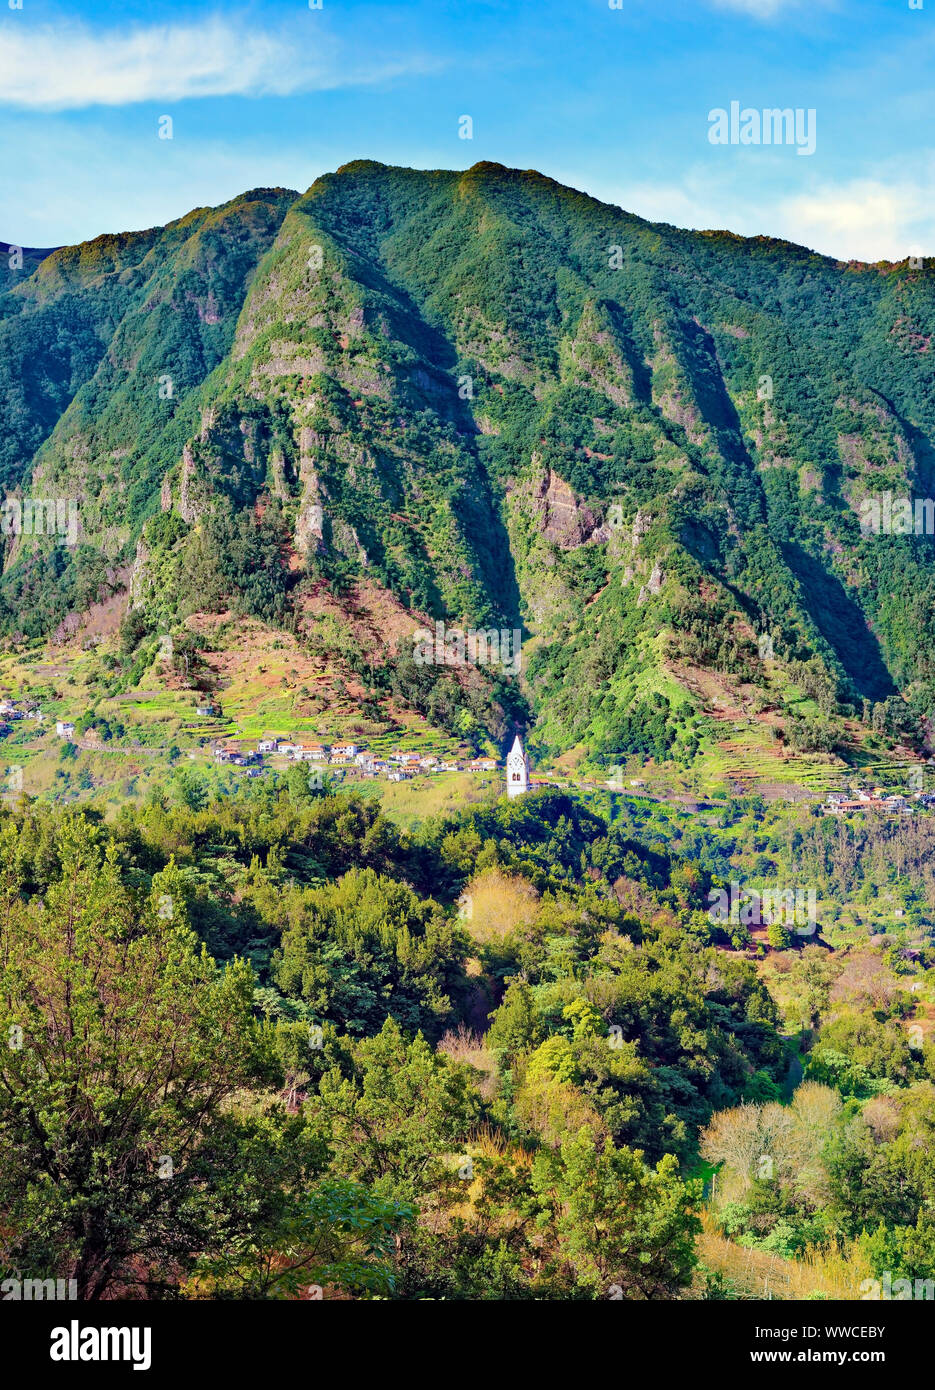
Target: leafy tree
(399, 1114)
(123, 1164)
(627, 1230)
(367, 948)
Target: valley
(365, 488)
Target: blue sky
(613, 101)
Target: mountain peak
(481, 399)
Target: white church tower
(517, 769)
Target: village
(253, 756)
(395, 767)
(877, 798)
(362, 762)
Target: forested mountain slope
(507, 405)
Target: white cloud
(69, 67)
(699, 198)
(864, 219)
(683, 204)
(878, 217)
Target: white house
(64, 729)
(517, 769)
(266, 745)
(310, 753)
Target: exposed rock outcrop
(562, 519)
(191, 506)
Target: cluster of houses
(877, 798)
(396, 767)
(11, 709)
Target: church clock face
(517, 770)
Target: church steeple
(517, 769)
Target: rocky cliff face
(502, 401)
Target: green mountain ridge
(500, 403)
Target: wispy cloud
(864, 219)
(64, 68)
(885, 215)
(768, 9)
(63, 183)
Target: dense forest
(273, 1046)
